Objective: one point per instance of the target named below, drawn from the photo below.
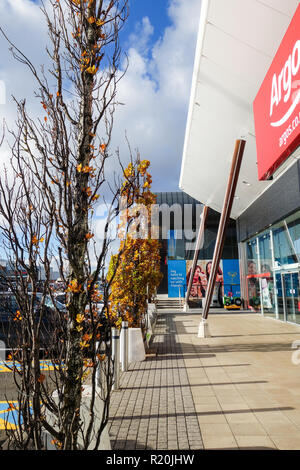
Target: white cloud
(142, 36)
(23, 23)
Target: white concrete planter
(84, 414)
(151, 321)
(136, 348)
(152, 308)
(152, 313)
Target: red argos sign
(277, 105)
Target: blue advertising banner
(231, 275)
(176, 277)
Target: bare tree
(47, 199)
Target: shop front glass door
(280, 298)
(292, 300)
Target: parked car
(61, 306)
(60, 297)
(11, 316)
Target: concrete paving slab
(237, 389)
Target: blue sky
(155, 10)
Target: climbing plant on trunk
(137, 264)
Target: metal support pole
(101, 375)
(199, 242)
(274, 274)
(243, 278)
(259, 279)
(124, 346)
(147, 307)
(2, 351)
(115, 338)
(225, 215)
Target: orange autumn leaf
(34, 240)
(74, 286)
(18, 316)
(89, 191)
(101, 357)
(86, 337)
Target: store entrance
(291, 298)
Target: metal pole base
(2, 351)
(203, 330)
(186, 307)
(115, 338)
(124, 346)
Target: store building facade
(179, 218)
(268, 233)
(246, 85)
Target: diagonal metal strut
(225, 215)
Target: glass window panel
(278, 291)
(284, 251)
(267, 282)
(293, 227)
(253, 287)
(252, 257)
(265, 254)
(176, 246)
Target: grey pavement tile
(156, 400)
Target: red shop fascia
(277, 105)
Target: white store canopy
(237, 42)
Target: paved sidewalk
(154, 408)
(238, 389)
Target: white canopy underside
(237, 42)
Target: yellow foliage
(139, 263)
